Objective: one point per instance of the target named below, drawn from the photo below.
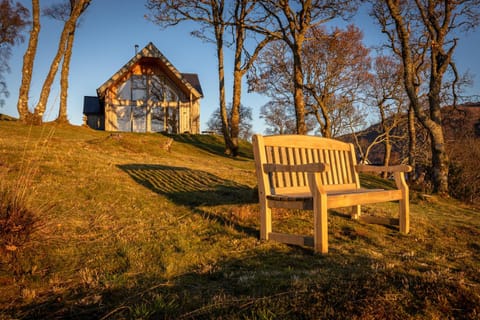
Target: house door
(184, 118)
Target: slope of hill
(125, 229)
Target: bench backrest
(302, 149)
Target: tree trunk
(62, 112)
(439, 62)
(388, 152)
(386, 143)
(237, 78)
(412, 143)
(440, 161)
(298, 89)
(221, 92)
(235, 116)
(28, 60)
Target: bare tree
(212, 18)
(269, 75)
(387, 96)
(279, 119)
(336, 72)
(79, 6)
(28, 61)
(336, 69)
(428, 26)
(13, 19)
(62, 11)
(245, 13)
(244, 126)
(291, 22)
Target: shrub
(17, 224)
(464, 176)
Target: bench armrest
(309, 167)
(370, 168)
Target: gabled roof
(150, 51)
(192, 78)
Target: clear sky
(105, 42)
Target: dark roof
(91, 105)
(192, 78)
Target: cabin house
(148, 94)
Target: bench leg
(404, 216)
(320, 238)
(356, 212)
(265, 221)
(404, 204)
(320, 219)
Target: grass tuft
(17, 224)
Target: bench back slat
(301, 149)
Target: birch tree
(78, 7)
(62, 11)
(28, 62)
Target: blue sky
(105, 42)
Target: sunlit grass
(135, 231)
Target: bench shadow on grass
(193, 188)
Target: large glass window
(161, 89)
(125, 91)
(123, 118)
(139, 119)
(158, 119)
(131, 119)
(139, 87)
(143, 87)
(134, 88)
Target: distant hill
(460, 122)
(4, 117)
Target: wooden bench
(314, 173)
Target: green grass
(129, 230)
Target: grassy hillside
(122, 228)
